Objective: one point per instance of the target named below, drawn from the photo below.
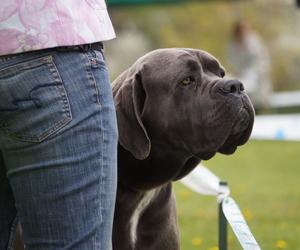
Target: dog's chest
(140, 208)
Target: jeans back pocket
(33, 100)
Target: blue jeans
(58, 150)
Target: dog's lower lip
(227, 150)
(205, 156)
(242, 123)
(233, 141)
(239, 134)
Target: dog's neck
(163, 165)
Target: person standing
(58, 130)
(250, 62)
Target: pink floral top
(27, 25)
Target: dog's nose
(231, 87)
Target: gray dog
(174, 109)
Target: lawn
(264, 178)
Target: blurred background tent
(264, 174)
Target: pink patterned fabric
(27, 25)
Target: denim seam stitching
(95, 86)
(91, 77)
(28, 64)
(61, 88)
(101, 170)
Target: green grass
(264, 178)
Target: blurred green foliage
(207, 25)
(263, 177)
(131, 2)
(125, 2)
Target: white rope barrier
(238, 224)
(203, 181)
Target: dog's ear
(129, 97)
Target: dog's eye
(187, 81)
(222, 73)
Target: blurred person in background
(58, 130)
(249, 60)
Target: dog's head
(179, 97)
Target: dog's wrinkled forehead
(174, 61)
(210, 63)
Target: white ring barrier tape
(203, 181)
(238, 224)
